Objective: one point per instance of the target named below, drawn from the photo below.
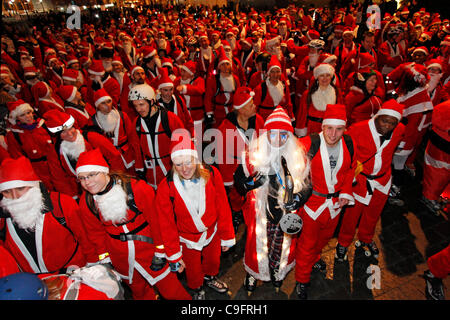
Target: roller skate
(370, 249)
(216, 284)
(276, 283)
(394, 196)
(434, 289)
(302, 290)
(341, 253)
(250, 284)
(320, 266)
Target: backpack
(164, 122)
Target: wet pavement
(406, 236)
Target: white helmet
(140, 92)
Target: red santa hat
(434, 63)
(190, 67)
(241, 97)
(71, 59)
(225, 44)
(421, 49)
(67, 92)
(327, 58)
(70, 74)
(182, 145)
(100, 96)
(30, 71)
(323, 68)
(40, 89)
(148, 52)
(335, 115)
(96, 68)
(17, 108)
(166, 62)
(339, 28)
(17, 173)
(135, 68)
(177, 55)
(348, 30)
(446, 41)
(278, 120)
(439, 119)
(85, 60)
(117, 59)
(418, 72)
(391, 108)
(57, 120)
(312, 34)
(222, 57)
(165, 81)
(274, 63)
(92, 161)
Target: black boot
(434, 289)
(302, 290)
(250, 283)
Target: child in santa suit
(376, 141)
(194, 213)
(125, 233)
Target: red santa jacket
(82, 115)
(8, 264)
(35, 144)
(325, 181)
(193, 93)
(60, 238)
(50, 103)
(360, 106)
(178, 106)
(129, 256)
(351, 63)
(390, 57)
(155, 145)
(376, 158)
(111, 86)
(234, 142)
(217, 101)
(380, 90)
(180, 220)
(265, 104)
(125, 140)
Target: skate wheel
(249, 293)
(367, 253)
(357, 244)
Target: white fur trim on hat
(96, 73)
(434, 65)
(92, 168)
(389, 112)
(165, 85)
(102, 99)
(73, 94)
(334, 122)
(66, 125)
(20, 109)
(245, 102)
(421, 50)
(184, 152)
(323, 69)
(187, 70)
(272, 67)
(17, 184)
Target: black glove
(140, 174)
(157, 263)
(295, 204)
(209, 119)
(254, 181)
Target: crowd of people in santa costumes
(93, 171)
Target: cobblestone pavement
(406, 237)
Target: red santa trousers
(436, 176)
(201, 263)
(439, 264)
(313, 237)
(169, 287)
(369, 217)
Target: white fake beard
(434, 81)
(108, 122)
(26, 210)
(74, 149)
(227, 83)
(321, 98)
(267, 159)
(283, 30)
(232, 42)
(313, 58)
(187, 81)
(276, 92)
(113, 204)
(127, 47)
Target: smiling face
(332, 134)
(93, 182)
(26, 118)
(185, 166)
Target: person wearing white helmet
(154, 126)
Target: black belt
(371, 177)
(195, 108)
(326, 195)
(130, 236)
(267, 108)
(122, 144)
(44, 158)
(315, 119)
